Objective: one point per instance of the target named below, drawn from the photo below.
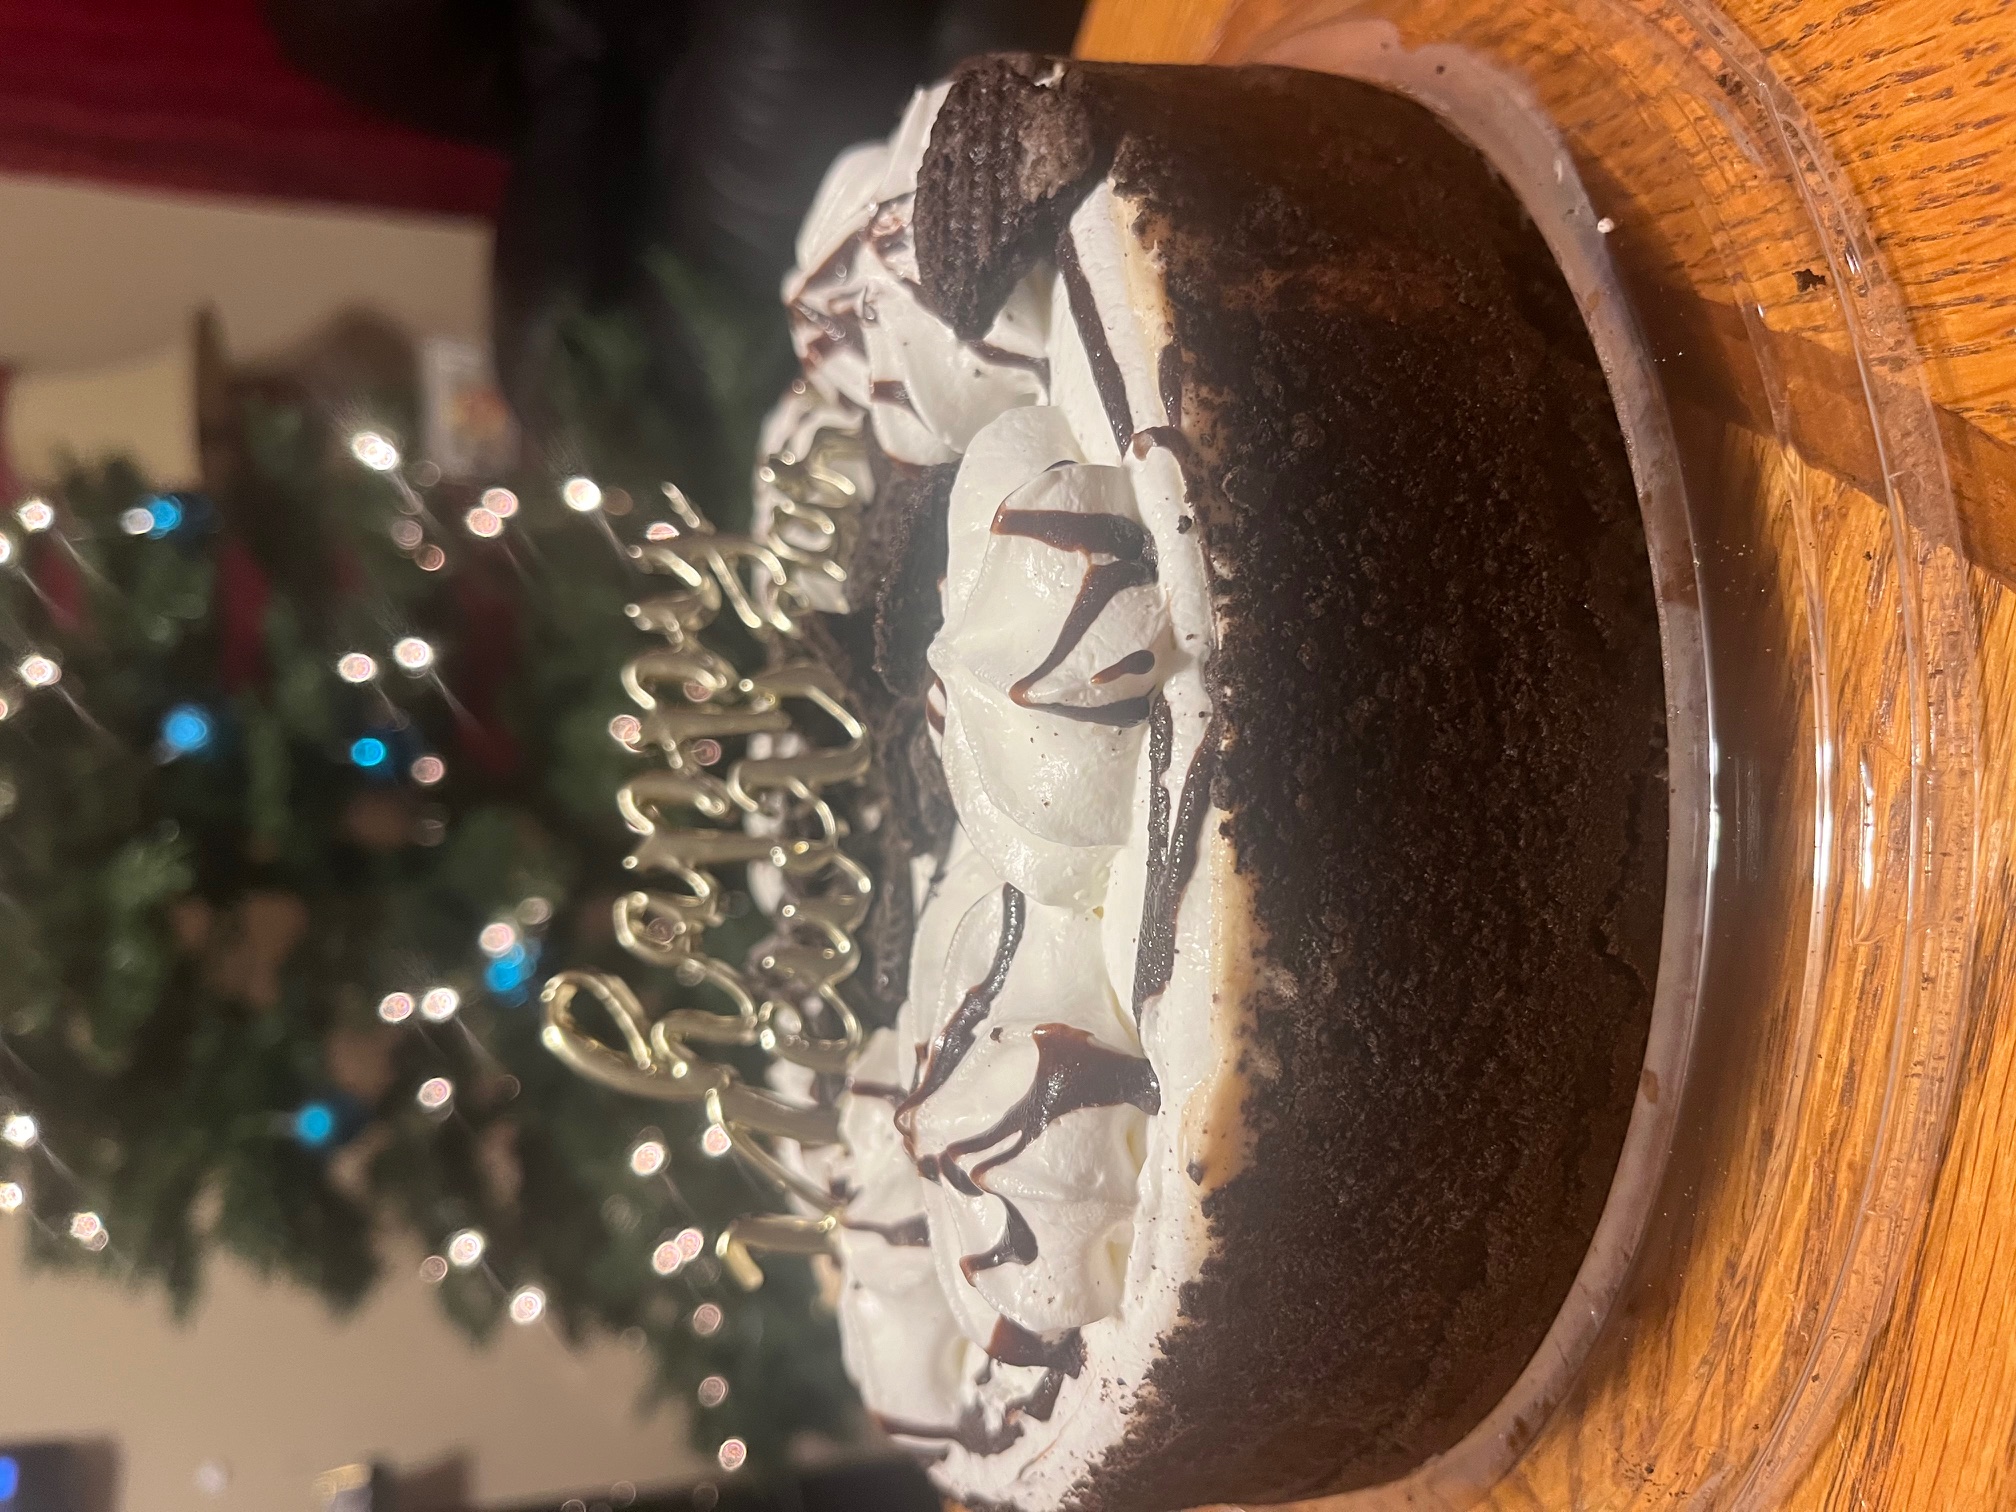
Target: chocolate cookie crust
(1443, 764)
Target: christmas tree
(306, 782)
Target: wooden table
(1916, 102)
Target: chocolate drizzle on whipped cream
(1017, 1247)
(911, 1233)
(1060, 1359)
(1172, 847)
(1000, 356)
(1131, 564)
(1073, 1072)
(1098, 350)
(951, 1044)
(893, 391)
(1012, 1345)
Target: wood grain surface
(1916, 101)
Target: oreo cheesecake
(1255, 624)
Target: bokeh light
(164, 516)
(647, 1157)
(374, 451)
(466, 1247)
(186, 730)
(315, 1125)
(413, 654)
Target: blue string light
(315, 1125)
(167, 516)
(369, 752)
(507, 975)
(10, 1477)
(187, 730)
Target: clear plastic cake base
(1811, 1008)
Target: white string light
(40, 672)
(713, 1391)
(666, 1259)
(466, 1247)
(88, 1229)
(498, 939)
(439, 1005)
(374, 451)
(707, 1319)
(355, 667)
(482, 524)
(396, 1007)
(647, 1157)
(6, 548)
(11, 1196)
(407, 534)
(428, 770)
(21, 1131)
(715, 1141)
(434, 1270)
(413, 655)
(732, 1455)
(435, 1093)
(528, 1305)
(501, 502)
(431, 559)
(35, 515)
(582, 495)
(137, 521)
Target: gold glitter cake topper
(771, 807)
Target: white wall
(266, 1382)
(90, 276)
